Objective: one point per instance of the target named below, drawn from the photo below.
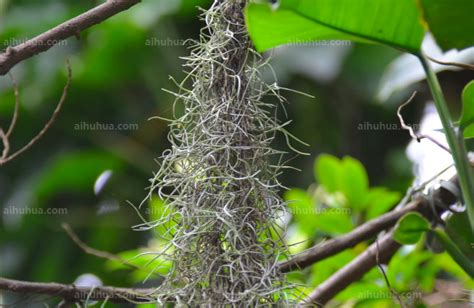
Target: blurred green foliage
(318, 214)
(119, 70)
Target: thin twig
(10, 157)
(415, 135)
(456, 64)
(17, 106)
(6, 145)
(387, 281)
(15, 54)
(402, 121)
(95, 252)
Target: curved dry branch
(15, 54)
(6, 157)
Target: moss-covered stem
(455, 141)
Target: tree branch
(365, 232)
(336, 245)
(380, 251)
(75, 294)
(73, 27)
(355, 270)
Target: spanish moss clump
(219, 187)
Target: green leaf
(391, 22)
(467, 117)
(269, 28)
(354, 182)
(323, 269)
(455, 253)
(328, 172)
(380, 200)
(459, 230)
(310, 219)
(334, 221)
(469, 132)
(303, 209)
(410, 228)
(145, 262)
(158, 210)
(450, 22)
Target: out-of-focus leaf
(160, 211)
(380, 200)
(362, 292)
(311, 219)
(411, 267)
(297, 239)
(446, 262)
(450, 21)
(107, 46)
(75, 172)
(322, 270)
(410, 228)
(452, 248)
(334, 221)
(303, 209)
(467, 117)
(191, 7)
(391, 22)
(146, 262)
(328, 171)
(354, 182)
(403, 267)
(469, 132)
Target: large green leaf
(270, 28)
(467, 118)
(392, 22)
(410, 228)
(450, 21)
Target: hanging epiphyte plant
(219, 178)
